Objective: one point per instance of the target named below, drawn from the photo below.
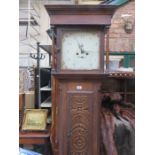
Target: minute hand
(81, 48)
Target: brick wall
(119, 39)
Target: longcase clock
(78, 68)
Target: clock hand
(78, 44)
(80, 47)
(82, 50)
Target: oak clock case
(77, 122)
(78, 52)
(77, 94)
(80, 49)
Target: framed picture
(35, 119)
(89, 1)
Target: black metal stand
(38, 56)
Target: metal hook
(42, 56)
(34, 56)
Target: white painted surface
(73, 58)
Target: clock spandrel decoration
(78, 68)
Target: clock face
(80, 50)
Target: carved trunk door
(79, 123)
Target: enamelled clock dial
(80, 50)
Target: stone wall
(119, 39)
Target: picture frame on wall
(35, 120)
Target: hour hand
(79, 45)
(81, 48)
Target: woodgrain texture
(76, 93)
(78, 119)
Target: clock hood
(80, 14)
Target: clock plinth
(78, 53)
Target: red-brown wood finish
(76, 94)
(80, 9)
(78, 117)
(80, 14)
(82, 20)
(36, 138)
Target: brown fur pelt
(117, 126)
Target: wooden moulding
(80, 14)
(82, 20)
(84, 9)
